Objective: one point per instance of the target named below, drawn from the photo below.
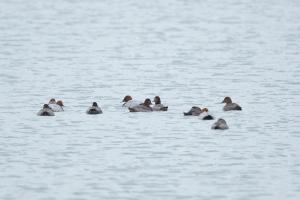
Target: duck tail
(164, 108)
(187, 113)
(131, 110)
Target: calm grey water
(190, 52)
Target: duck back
(130, 104)
(56, 108)
(45, 112)
(140, 108)
(194, 111)
(94, 111)
(160, 107)
(220, 124)
(232, 106)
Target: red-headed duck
(45, 111)
(143, 107)
(94, 109)
(128, 102)
(158, 106)
(220, 124)
(229, 105)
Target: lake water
(190, 52)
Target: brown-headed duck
(128, 102)
(229, 105)
(220, 124)
(56, 106)
(158, 106)
(143, 107)
(94, 109)
(45, 111)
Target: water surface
(190, 53)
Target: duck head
(204, 110)
(95, 104)
(52, 101)
(60, 103)
(147, 103)
(157, 100)
(45, 106)
(227, 100)
(127, 98)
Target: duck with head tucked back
(194, 111)
(229, 105)
(56, 106)
(94, 109)
(128, 102)
(158, 106)
(143, 107)
(45, 111)
(220, 124)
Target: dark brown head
(127, 98)
(95, 104)
(45, 106)
(60, 103)
(52, 101)
(157, 100)
(147, 102)
(227, 100)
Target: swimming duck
(94, 109)
(60, 103)
(229, 105)
(195, 111)
(45, 111)
(128, 102)
(158, 106)
(220, 124)
(205, 114)
(56, 106)
(143, 107)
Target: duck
(229, 105)
(46, 111)
(60, 103)
(56, 106)
(205, 114)
(158, 106)
(220, 124)
(143, 107)
(128, 102)
(94, 109)
(194, 111)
